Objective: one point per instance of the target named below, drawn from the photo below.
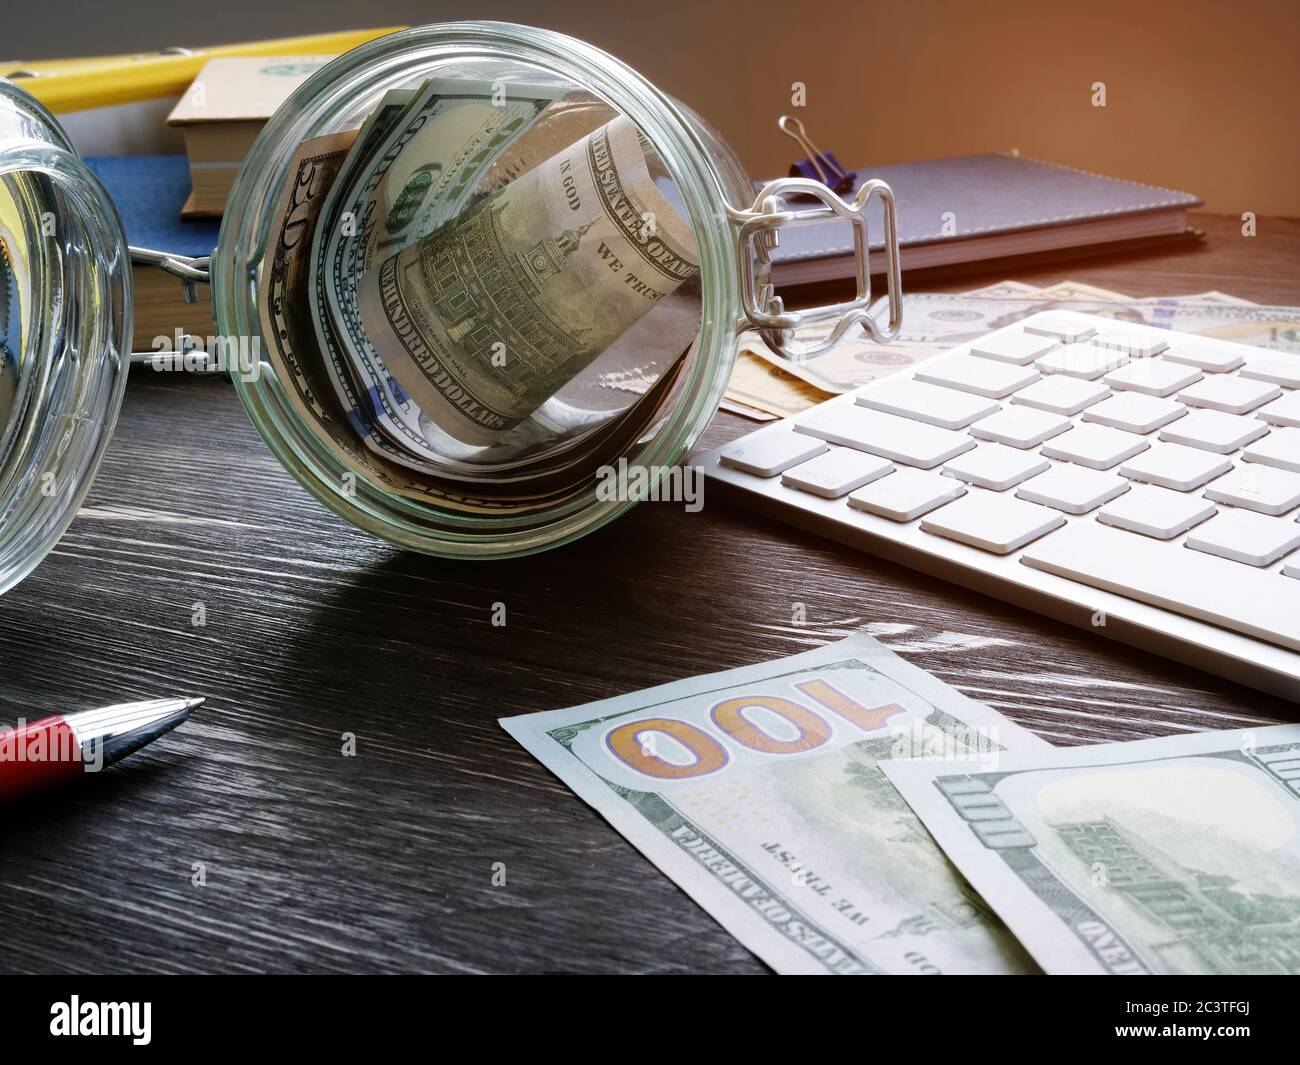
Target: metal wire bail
(758, 234)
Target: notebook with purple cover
(977, 207)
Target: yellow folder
(66, 85)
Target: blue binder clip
(818, 166)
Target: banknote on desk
(935, 322)
(1175, 855)
(758, 792)
(947, 320)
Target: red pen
(56, 749)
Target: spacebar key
(1228, 594)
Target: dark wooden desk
(383, 861)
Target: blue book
(978, 208)
(149, 191)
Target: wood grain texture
(316, 862)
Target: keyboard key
(1232, 395)
(982, 377)
(1098, 447)
(1190, 583)
(1020, 348)
(897, 439)
(927, 403)
(1284, 372)
(1064, 329)
(1134, 344)
(1284, 411)
(1281, 448)
(1061, 395)
(1156, 512)
(1134, 412)
(1255, 487)
(768, 453)
(1154, 377)
(1291, 569)
(1212, 430)
(1021, 427)
(1081, 360)
(1244, 536)
(836, 472)
(994, 523)
(1073, 489)
(906, 495)
(1204, 356)
(995, 467)
(1175, 466)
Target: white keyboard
(1141, 483)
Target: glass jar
(65, 324)
(498, 458)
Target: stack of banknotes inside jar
(477, 288)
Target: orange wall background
(1202, 96)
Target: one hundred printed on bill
(758, 791)
(1177, 855)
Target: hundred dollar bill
(1076, 290)
(759, 792)
(15, 286)
(853, 362)
(415, 164)
(1215, 296)
(289, 345)
(382, 417)
(934, 322)
(12, 338)
(488, 316)
(758, 384)
(1173, 855)
(1002, 289)
(487, 139)
(946, 319)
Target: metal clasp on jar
(758, 235)
(191, 271)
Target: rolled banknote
(485, 318)
(15, 294)
(15, 310)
